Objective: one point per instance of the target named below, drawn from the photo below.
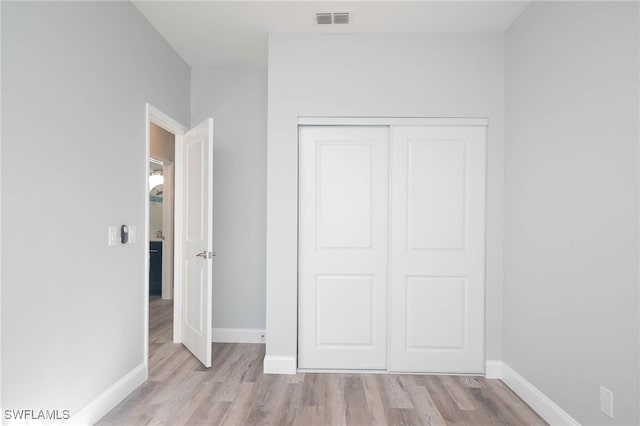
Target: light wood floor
(235, 392)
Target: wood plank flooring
(236, 392)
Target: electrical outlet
(606, 402)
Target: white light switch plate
(132, 234)
(113, 236)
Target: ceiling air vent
(341, 18)
(328, 18)
(324, 19)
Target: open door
(197, 254)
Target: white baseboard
(238, 335)
(108, 399)
(279, 364)
(541, 404)
(493, 369)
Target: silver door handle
(206, 254)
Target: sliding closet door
(437, 249)
(343, 247)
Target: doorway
(160, 234)
(161, 212)
(190, 184)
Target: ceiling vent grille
(329, 18)
(341, 18)
(324, 18)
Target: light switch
(132, 234)
(113, 236)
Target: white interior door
(343, 246)
(197, 224)
(437, 249)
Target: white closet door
(343, 247)
(437, 249)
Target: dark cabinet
(155, 268)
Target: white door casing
(343, 247)
(196, 240)
(438, 187)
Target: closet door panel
(437, 249)
(343, 247)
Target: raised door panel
(193, 290)
(344, 310)
(194, 182)
(194, 266)
(344, 187)
(433, 301)
(436, 195)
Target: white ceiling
(235, 33)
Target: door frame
(159, 118)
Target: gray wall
(404, 75)
(237, 101)
(571, 205)
(75, 79)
